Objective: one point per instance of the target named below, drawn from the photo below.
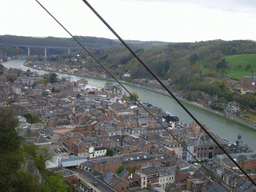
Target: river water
(223, 127)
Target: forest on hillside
(198, 70)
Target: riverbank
(163, 92)
(197, 105)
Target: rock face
(29, 167)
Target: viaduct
(45, 48)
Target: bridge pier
(28, 51)
(45, 52)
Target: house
(36, 127)
(41, 140)
(166, 175)
(127, 74)
(111, 164)
(142, 178)
(95, 152)
(232, 108)
(248, 83)
(239, 147)
(151, 175)
(203, 147)
(88, 182)
(113, 88)
(72, 162)
(69, 138)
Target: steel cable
(220, 182)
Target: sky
(145, 20)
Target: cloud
(248, 6)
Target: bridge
(45, 48)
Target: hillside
(241, 65)
(197, 70)
(6, 42)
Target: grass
(238, 65)
(203, 68)
(249, 116)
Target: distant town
(104, 141)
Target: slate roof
(239, 157)
(205, 140)
(114, 181)
(99, 148)
(87, 178)
(77, 142)
(132, 157)
(37, 126)
(167, 171)
(73, 134)
(118, 106)
(178, 161)
(41, 140)
(49, 132)
(147, 165)
(108, 176)
(73, 161)
(123, 173)
(66, 172)
(150, 171)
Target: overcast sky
(146, 20)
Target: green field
(203, 68)
(241, 65)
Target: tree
(120, 169)
(32, 118)
(222, 65)
(56, 183)
(46, 79)
(23, 164)
(11, 154)
(53, 78)
(39, 155)
(109, 152)
(131, 170)
(193, 59)
(24, 181)
(134, 96)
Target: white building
(166, 176)
(95, 152)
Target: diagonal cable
(168, 90)
(220, 182)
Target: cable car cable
(170, 93)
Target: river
(222, 126)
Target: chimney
(104, 167)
